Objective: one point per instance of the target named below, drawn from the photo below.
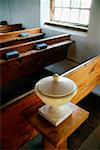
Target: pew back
(86, 76)
(10, 28)
(32, 60)
(14, 38)
(24, 47)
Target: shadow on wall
(93, 36)
(76, 52)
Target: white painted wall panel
(6, 12)
(0, 10)
(44, 11)
(93, 37)
(26, 12)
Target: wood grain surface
(56, 135)
(13, 38)
(10, 28)
(86, 76)
(31, 45)
(32, 60)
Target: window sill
(66, 25)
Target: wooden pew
(24, 47)
(31, 60)
(86, 76)
(14, 38)
(10, 28)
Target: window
(71, 11)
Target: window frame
(67, 24)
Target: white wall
(44, 11)
(0, 10)
(26, 12)
(6, 11)
(93, 37)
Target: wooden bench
(10, 28)
(14, 38)
(32, 60)
(86, 76)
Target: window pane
(66, 3)
(73, 11)
(58, 3)
(65, 14)
(75, 3)
(74, 15)
(86, 3)
(84, 17)
(58, 14)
